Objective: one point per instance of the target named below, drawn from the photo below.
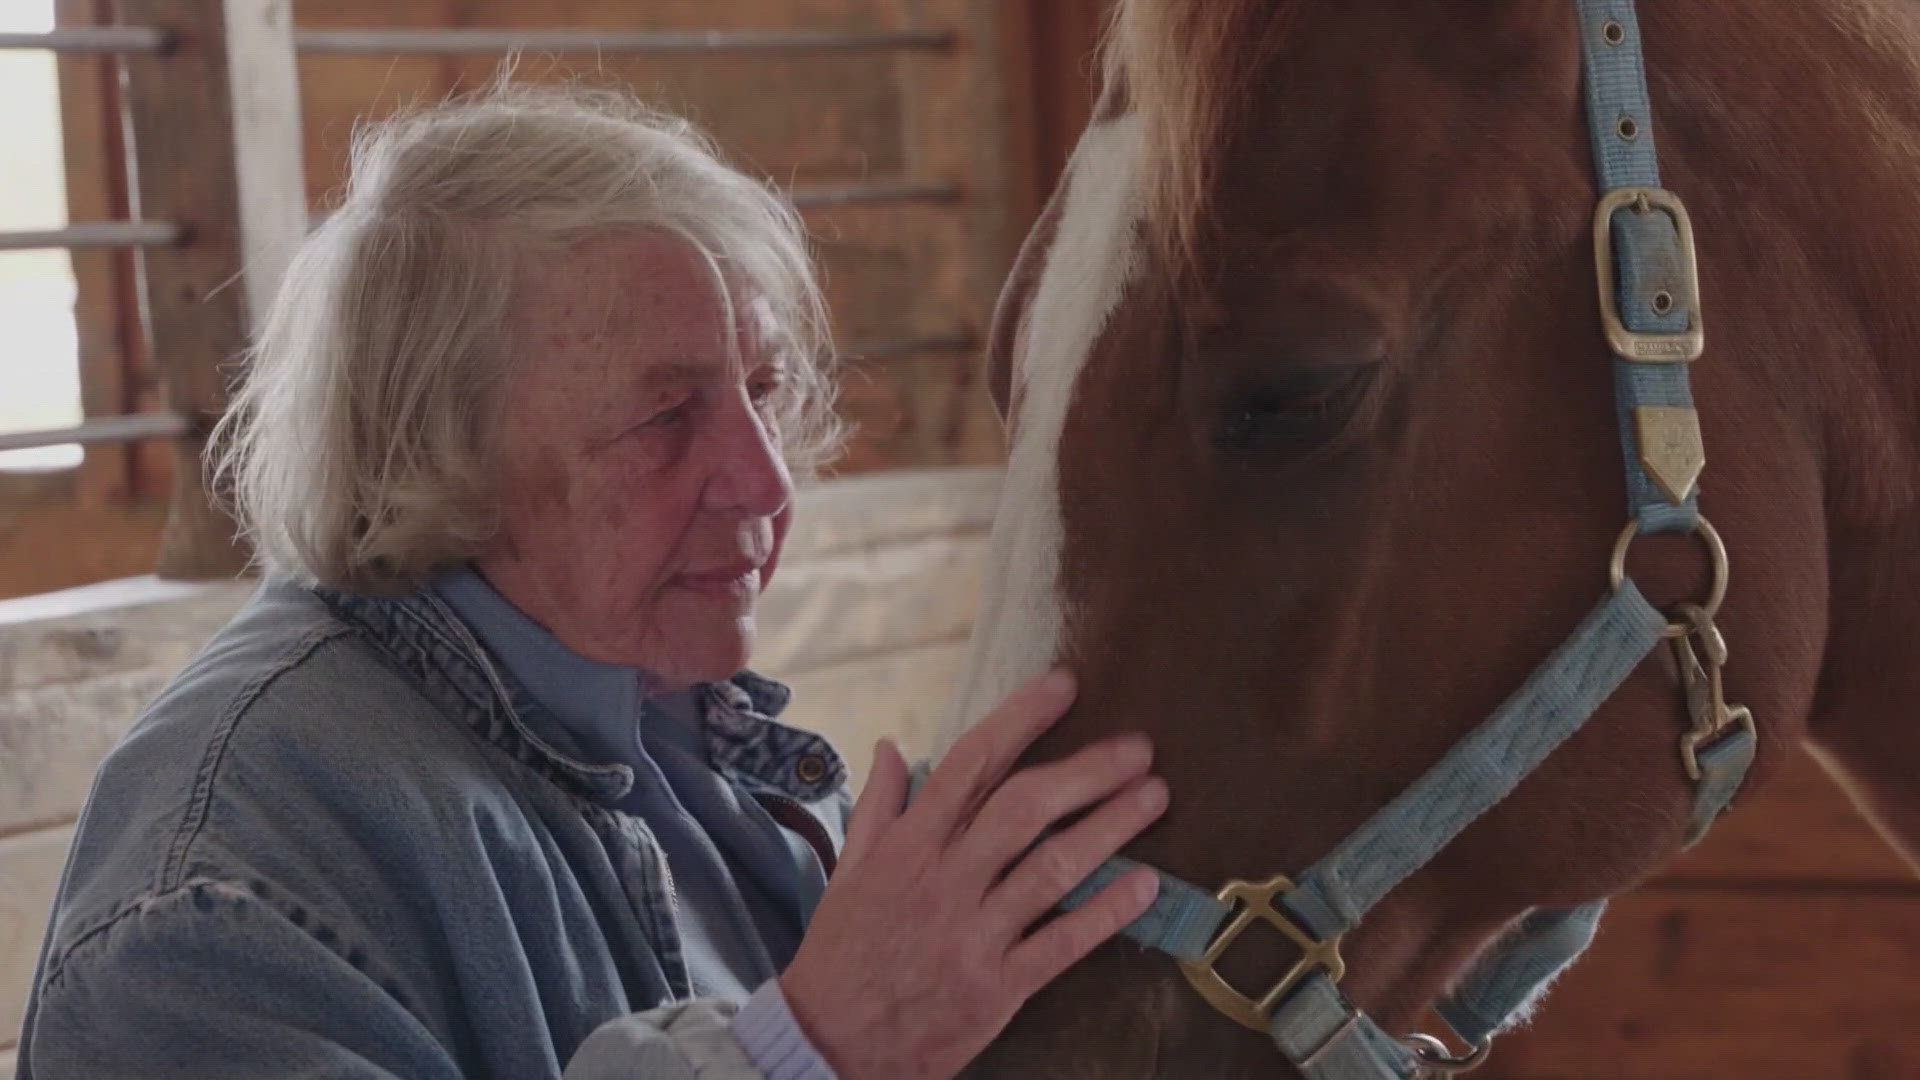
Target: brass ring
(1434, 1056)
(1716, 550)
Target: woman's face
(644, 497)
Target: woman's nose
(749, 473)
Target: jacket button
(811, 768)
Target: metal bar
(888, 348)
(106, 429)
(95, 234)
(93, 39)
(822, 196)
(645, 43)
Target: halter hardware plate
(1258, 901)
(1659, 348)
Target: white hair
(357, 449)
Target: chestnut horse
(1314, 458)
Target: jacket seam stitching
(202, 797)
(222, 887)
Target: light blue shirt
(744, 886)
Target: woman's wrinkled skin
(645, 499)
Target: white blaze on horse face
(1094, 256)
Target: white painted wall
(867, 619)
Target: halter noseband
(1650, 309)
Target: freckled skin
(639, 469)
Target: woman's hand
(919, 952)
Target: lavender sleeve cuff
(767, 1031)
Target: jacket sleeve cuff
(767, 1031)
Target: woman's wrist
(768, 1031)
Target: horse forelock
(1184, 67)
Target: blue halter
(1650, 310)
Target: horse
(1313, 457)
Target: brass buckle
(1661, 348)
(1258, 901)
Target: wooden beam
(213, 128)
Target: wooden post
(213, 130)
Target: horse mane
(1184, 67)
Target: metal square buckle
(1258, 900)
(1659, 348)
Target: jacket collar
(423, 636)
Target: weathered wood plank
(1734, 985)
(854, 513)
(48, 547)
(114, 627)
(29, 872)
(214, 132)
(1799, 828)
(53, 737)
(835, 608)
(900, 694)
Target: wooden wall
(894, 272)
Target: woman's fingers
(1067, 940)
(976, 764)
(1050, 871)
(1039, 797)
(880, 802)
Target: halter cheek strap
(1649, 300)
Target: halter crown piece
(1650, 309)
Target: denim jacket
(335, 846)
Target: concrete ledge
(29, 870)
(839, 516)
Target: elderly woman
(476, 785)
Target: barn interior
(163, 158)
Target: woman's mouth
(737, 582)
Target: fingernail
(1136, 751)
(1152, 794)
(1058, 681)
(1148, 890)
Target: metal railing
(105, 429)
(633, 43)
(95, 40)
(94, 234)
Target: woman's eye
(666, 417)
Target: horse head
(1314, 457)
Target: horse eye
(1299, 410)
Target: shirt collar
(598, 703)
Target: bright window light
(39, 347)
